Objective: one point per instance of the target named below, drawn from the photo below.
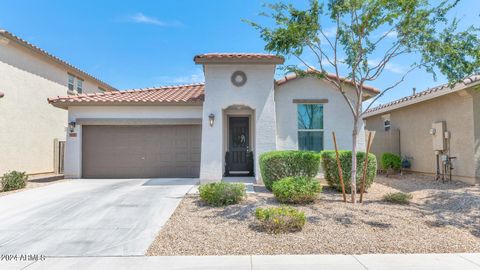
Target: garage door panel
(181, 157)
(196, 157)
(141, 151)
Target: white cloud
(390, 66)
(142, 18)
(330, 32)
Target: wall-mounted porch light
(71, 126)
(211, 119)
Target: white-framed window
(75, 84)
(310, 127)
(79, 85)
(386, 124)
(71, 82)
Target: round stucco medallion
(239, 78)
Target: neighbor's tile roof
(180, 94)
(52, 57)
(234, 57)
(294, 76)
(424, 95)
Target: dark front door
(238, 145)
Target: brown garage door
(141, 151)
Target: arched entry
(239, 141)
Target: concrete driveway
(113, 217)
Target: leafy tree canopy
(419, 27)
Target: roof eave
(421, 99)
(203, 61)
(369, 91)
(53, 58)
(66, 104)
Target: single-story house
(207, 130)
(443, 121)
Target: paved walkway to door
(114, 217)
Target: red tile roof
(180, 94)
(294, 76)
(238, 57)
(424, 95)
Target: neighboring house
(28, 124)
(412, 127)
(205, 130)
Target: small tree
(367, 35)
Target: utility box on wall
(438, 133)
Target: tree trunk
(353, 185)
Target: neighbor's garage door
(141, 151)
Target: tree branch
(391, 87)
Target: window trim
(386, 126)
(79, 87)
(72, 77)
(310, 101)
(322, 130)
(385, 118)
(313, 129)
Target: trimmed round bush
(391, 161)
(330, 169)
(222, 194)
(296, 190)
(14, 180)
(280, 219)
(276, 165)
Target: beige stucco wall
(476, 118)
(337, 116)
(415, 122)
(385, 142)
(35, 63)
(28, 124)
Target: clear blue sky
(134, 44)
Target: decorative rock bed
(441, 218)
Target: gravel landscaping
(441, 218)
(33, 183)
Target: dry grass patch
(441, 218)
(398, 198)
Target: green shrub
(276, 165)
(330, 168)
(297, 190)
(222, 194)
(14, 180)
(391, 161)
(398, 198)
(280, 219)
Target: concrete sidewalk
(464, 261)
